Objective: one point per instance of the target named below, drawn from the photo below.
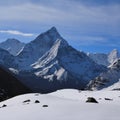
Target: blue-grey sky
(88, 25)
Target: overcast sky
(88, 25)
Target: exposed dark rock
(37, 101)
(26, 101)
(45, 105)
(116, 89)
(91, 100)
(108, 99)
(37, 94)
(4, 105)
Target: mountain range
(105, 59)
(49, 63)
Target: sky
(87, 25)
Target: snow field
(63, 105)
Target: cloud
(55, 2)
(89, 40)
(15, 32)
(74, 11)
(93, 39)
(98, 2)
(66, 14)
(70, 15)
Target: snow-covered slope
(36, 48)
(12, 45)
(64, 63)
(105, 59)
(107, 79)
(62, 105)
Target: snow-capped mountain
(113, 56)
(49, 63)
(36, 48)
(62, 62)
(109, 79)
(61, 66)
(13, 46)
(105, 59)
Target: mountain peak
(114, 51)
(12, 40)
(113, 55)
(39, 47)
(13, 46)
(53, 29)
(50, 35)
(53, 32)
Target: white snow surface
(63, 105)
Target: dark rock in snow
(108, 99)
(45, 105)
(37, 101)
(91, 100)
(4, 105)
(26, 101)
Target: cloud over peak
(15, 32)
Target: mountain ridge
(105, 59)
(13, 46)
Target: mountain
(109, 79)
(49, 63)
(6, 59)
(64, 63)
(13, 46)
(105, 59)
(36, 48)
(113, 56)
(9, 85)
